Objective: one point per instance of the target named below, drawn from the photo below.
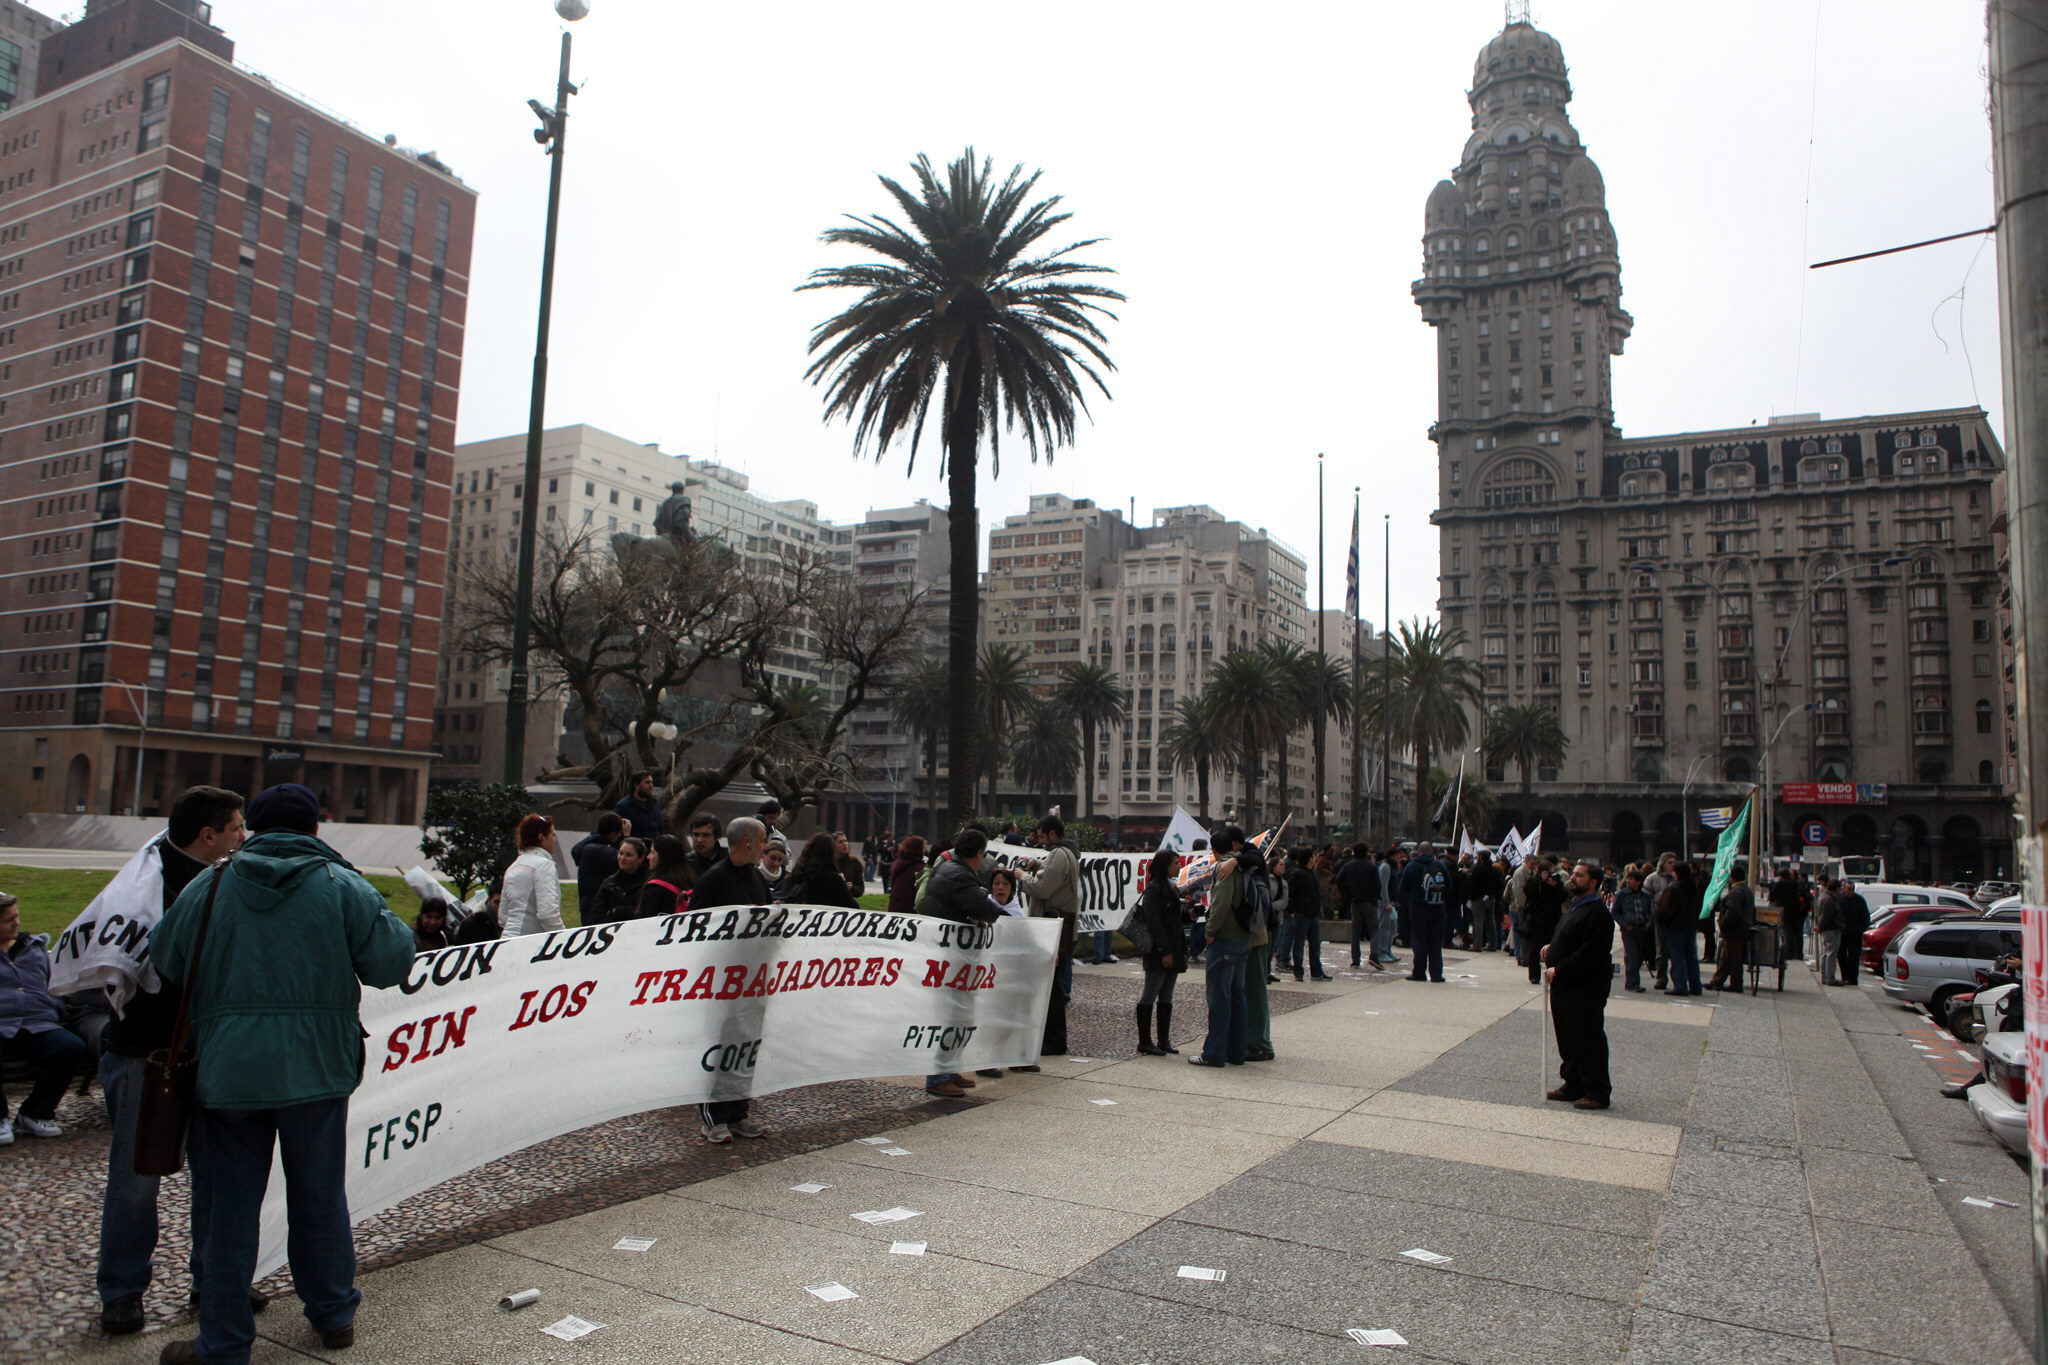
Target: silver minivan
(1933, 960)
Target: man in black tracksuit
(1579, 965)
(1358, 883)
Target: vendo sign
(1818, 793)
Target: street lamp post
(552, 134)
(141, 710)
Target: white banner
(491, 1047)
(1110, 882)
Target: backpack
(1433, 883)
(1255, 911)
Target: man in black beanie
(292, 936)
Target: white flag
(107, 946)
(1533, 845)
(1182, 834)
(1510, 854)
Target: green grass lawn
(51, 897)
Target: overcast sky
(1259, 176)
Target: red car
(1890, 924)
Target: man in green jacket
(274, 996)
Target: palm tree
(1092, 695)
(1243, 689)
(1428, 704)
(922, 703)
(1527, 736)
(1195, 739)
(1003, 681)
(1045, 752)
(968, 307)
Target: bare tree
(665, 648)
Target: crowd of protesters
(279, 1034)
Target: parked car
(2006, 911)
(1990, 893)
(2000, 1100)
(1893, 907)
(1928, 963)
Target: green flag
(1730, 848)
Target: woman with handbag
(1158, 929)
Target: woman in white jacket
(532, 899)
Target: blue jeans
(57, 1055)
(230, 1150)
(128, 1221)
(1284, 934)
(1304, 939)
(1229, 1010)
(1635, 946)
(1682, 947)
(1105, 943)
(1383, 935)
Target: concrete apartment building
(22, 31)
(595, 481)
(1807, 603)
(897, 550)
(231, 331)
(1192, 588)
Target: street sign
(1814, 832)
(1814, 853)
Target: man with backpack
(1425, 894)
(1228, 934)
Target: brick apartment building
(231, 330)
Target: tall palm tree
(1293, 699)
(923, 702)
(965, 306)
(1243, 690)
(1431, 696)
(1526, 736)
(1003, 684)
(1045, 752)
(1092, 695)
(1195, 739)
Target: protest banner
(488, 1048)
(1110, 882)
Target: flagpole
(1322, 654)
(1458, 805)
(1357, 682)
(1386, 680)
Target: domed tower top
(1528, 61)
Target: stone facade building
(1807, 604)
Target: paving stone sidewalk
(1763, 1190)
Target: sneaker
(122, 1317)
(1112, 959)
(716, 1133)
(42, 1128)
(749, 1128)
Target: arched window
(1482, 244)
(1736, 769)
(1927, 438)
(1902, 441)
(1822, 469)
(1731, 475)
(1809, 447)
(1516, 481)
(1834, 447)
(1511, 241)
(1543, 237)
(1648, 483)
(1983, 717)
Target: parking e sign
(1814, 832)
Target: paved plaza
(1777, 1182)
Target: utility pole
(2019, 168)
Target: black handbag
(163, 1104)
